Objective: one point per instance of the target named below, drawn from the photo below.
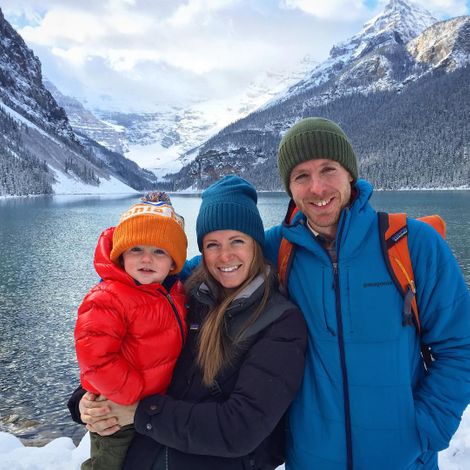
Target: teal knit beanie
(230, 204)
(313, 138)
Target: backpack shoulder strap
(394, 243)
(437, 222)
(284, 261)
(286, 251)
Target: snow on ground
(70, 185)
(18, 117)
(61, 453)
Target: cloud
(339, 10)
(188, 12)
(440, 8)
(446, 8)
(66, 27)
(345, 10)
(182, 49)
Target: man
(366, 401)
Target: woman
(242, 362)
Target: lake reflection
(46, 269)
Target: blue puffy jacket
(366, 402)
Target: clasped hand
(104, 416)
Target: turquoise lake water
(46, 269)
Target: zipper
(166, 458)
(342, 353)
(177, 316)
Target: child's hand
(123, 413)
(95, 412)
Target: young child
(131, 326)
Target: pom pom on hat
(157, 196)
(230, 204)
(152, 222)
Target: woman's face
(228, 255)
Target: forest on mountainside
(417, 137)
(21, 173)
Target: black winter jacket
(237, 423)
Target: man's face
(321, 188)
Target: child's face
(147, 264)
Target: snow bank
(59, 454)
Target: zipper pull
(335, 275)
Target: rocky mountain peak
(445, 44)
(398, 23)
(21, 86)
(361, 56)
(402, 17)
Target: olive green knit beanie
(313, 138)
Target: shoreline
(196, 193)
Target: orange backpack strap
(437, 222)
(283, 263)
(286, 251)
(394, 242)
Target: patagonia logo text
(400, 234)
(377, 284)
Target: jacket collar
(250, 295)
(354, 223)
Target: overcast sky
(139, 54)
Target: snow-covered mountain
(360, 64)
(444, 45)
(40, 153)
(395, 87)
(160, 141)
(85, 122)
(21, 86)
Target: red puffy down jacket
(128, 337)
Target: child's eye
(136, 249)
(159, 251)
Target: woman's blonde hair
(215, 347)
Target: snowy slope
(67, 184)
(161, 141)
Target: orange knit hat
(152, 222)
